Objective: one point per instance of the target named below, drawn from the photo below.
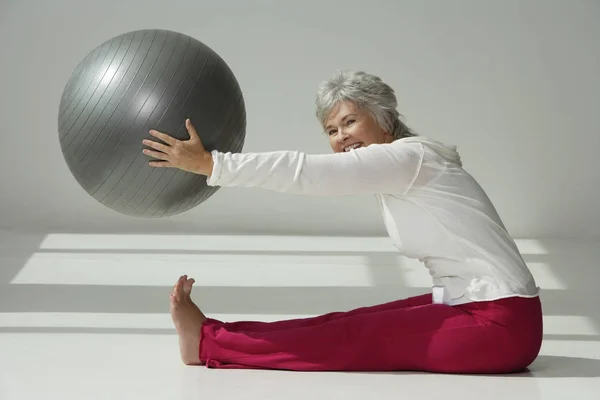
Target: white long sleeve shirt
(433, 210)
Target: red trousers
(413, 334)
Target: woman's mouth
(352, 146)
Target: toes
(177, 289)
(178, 282)
(187, 286)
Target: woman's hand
(189, 155)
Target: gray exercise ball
(134, 82)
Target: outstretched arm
(379, 168)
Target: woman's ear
(388, 136)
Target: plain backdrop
(515, 84)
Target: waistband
(440, 295)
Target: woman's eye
(350, 121)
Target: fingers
(175, 153)
(160, 155)
(165, 160)
(170, 140)
(156, 145)
(156, 154)
(191, 129)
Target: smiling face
(350, 126)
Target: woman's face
(349, 127)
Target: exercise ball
(134, 82)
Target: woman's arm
(378, 168)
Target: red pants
(413, 334)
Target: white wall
(515, 84)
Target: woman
(483, 314)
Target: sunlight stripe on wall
(131, 269)
(216, 243)
(207, 270)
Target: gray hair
(368, 92)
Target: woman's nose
(343, 135)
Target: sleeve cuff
(213, 179)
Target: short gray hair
(368, 92)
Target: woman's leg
(260, 326)
(491, 337)
(188, 318)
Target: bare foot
(188, 320)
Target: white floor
(86, 316)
